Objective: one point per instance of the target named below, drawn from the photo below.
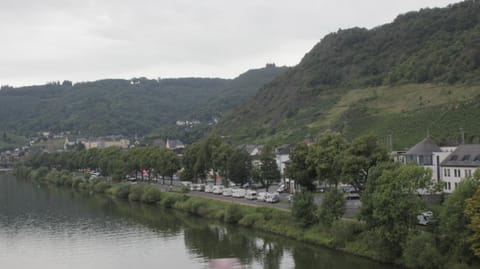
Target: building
(282, 156)
(461, 163)
(174, 144)
(428, 154)
(97, 142)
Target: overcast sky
(82, 40)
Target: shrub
(197, 207)
(101, 187)
(303, 210)
(76, 183)
(122, 191)
(151, 195)
(344, 231)
(136, 192)
(251, 219)
(420, 251)
(232, 214)
(332, 207)
(168, 202)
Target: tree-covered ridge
(437, 48)
(128, 107)
(431, 45)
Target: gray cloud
(92, 39)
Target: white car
(272, 197)
(281, 188)
(425, 217)
(238, 193)
(227, 192)
(209, 188)
(261, 196)
(218, 189)
(251, 195)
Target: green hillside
(419, 73)
(127, 107)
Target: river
(48, 227)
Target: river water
(48, 227)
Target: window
(420, 160)
(449, 185)
(466, 158)
(477, 158)
(454, 158)
(445, 186)
(456, 184)
(448, 172)
(445, 173)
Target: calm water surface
(46, 227)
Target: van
(272, 197)
(227, 192)
(251, 195)
(238, 193)
(209, 188)
(261, 196)
(218, 189)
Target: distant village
(449, 165)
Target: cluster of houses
(449, 165)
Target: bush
(420, 251)
(122, 191)
(101, 187)
(136, 192)
(332, 207)
(151, 195)
(345, 231)
(169, 201)
(197, 207)
(251, 219)
(232, 214)
(303, 210)
(76, 183)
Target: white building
(461, 163)
(427, 154)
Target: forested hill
(404, 66)
(127, 107)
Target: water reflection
(58, 228)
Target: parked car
(261, 196)
(208, 188)
(424, 217)
(251, 195)
(187, 184)
(227, 192)
(281, 188)
(352, 196)
(238, 193)
(272, 197)
(217, 189)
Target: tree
(454, 221)
(362, 154)
(472, 211)
(220, 159)
(394, 205)
(325, 157)
(332, 207)
(304, 209)
(239, 166)
(298, 169)
(189, 162)
(268, 167)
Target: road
(352, 207)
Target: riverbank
(346, 236)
